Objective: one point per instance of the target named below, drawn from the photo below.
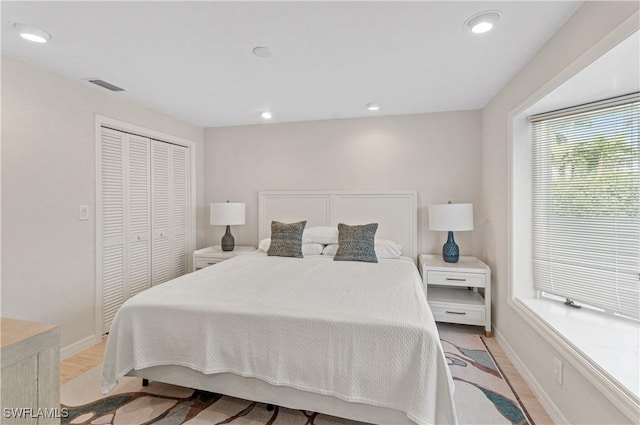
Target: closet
(143, 215)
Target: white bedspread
(361, 332)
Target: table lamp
(227, 214)
(449, 218)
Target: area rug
(482, 396)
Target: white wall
(48, 170)
(576, 399)
(435, 154)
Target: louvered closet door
(170, 210)
(112, 232)
(144, 210)
(125, 224)
(139, 219)
(179, 210)
(160, 213)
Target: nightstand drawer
(453, 278)
(201, 263)
(457, 313)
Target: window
(586, 204)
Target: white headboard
(394, 211)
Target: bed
(349, 339)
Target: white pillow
(330, 249)
(312, 248)
(320, 234)
(263, 245)
(384, 248)
(307, 248)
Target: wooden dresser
(30, 361)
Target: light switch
(83, 212)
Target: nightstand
(209, 256)
(453, 290)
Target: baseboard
(535, 386)
(78, 346)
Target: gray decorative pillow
(356, 243)
(286, 239)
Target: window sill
(603, 348)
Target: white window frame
(519, 268)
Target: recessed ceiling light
(483, 22)
(32, 33)
(267, 115)
(373, 106)
(262, 51)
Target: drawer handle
(458, 279)
(211, 263)
(455, 312)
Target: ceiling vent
(104, 84)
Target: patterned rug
(482, 396)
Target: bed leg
(270, 407)
(145, 382)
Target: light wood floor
(83, 361)
(92, 357)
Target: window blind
(586, 204)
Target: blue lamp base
(450, 250)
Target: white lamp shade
(451, 217)
(227, 213)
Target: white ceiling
(193, 60)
